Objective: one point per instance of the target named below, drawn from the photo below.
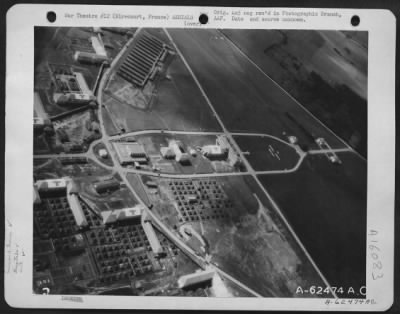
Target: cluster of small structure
(221, 150)
(200, 200)
(140, 63)
(69, 228)
(121, 252)
(130, 153)
(70, 87)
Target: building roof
(152, 237)
(110, 216)
(106, 184)
(195, 278)
(98, 46)
(223, 141)
(89, 57)
(125, 151)
(177, 146)
(82, 83)
(212, 150)
(76, 209)
(167, 152)
(38, 109)
(72, 187)
(36, 197)
(180, 154)
(51, 184)
(74, 204)
(103, 152)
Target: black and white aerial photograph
(200, 162)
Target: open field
(265, 153)
(245, 99)
(244, 235)
(326, 205)
(198, 163)
(325, 70)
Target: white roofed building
(51, 185)
(167, 152)
(214, 152)
(196, 278)
(98, 46)
(151, 235)
(98, 56)
(72, 89)
(129, 153)
(36, 196)
(181, 155)
(113, 215)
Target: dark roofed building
(106, 186)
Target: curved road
(123, 172)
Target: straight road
(247, 164)
(164, 229)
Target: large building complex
(65, 187)
(175, 150)
(70, 87)
(96, 53)
(130, 153)
(140, 62)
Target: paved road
(106, 139)
(289, 95)
(164, 229)
(247, 164)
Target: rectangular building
(130, 152)
(196, 278)
(113, 215)
(89, 57)
(181, 155)
(151, 236)
(76, 209)
(214, 152)
(75, 205)
(70, 86)
(98, 46)
(106, 186)
(51, 185)
(40, 117)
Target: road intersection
(123, 171)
